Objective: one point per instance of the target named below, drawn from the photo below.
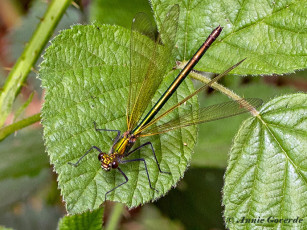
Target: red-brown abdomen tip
(216, 32)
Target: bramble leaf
(87, 220)
(266, 176)
(270, 34)
(86, 74)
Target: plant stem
(225, 91)
(115, 216)
(7, 130)
(31, 53)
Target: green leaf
(267, 172)
(215, 138)
(270, 34)
(86, 75)
(118, 12)
(22, 155)
(88, 220)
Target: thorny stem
(31, 53)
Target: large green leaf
(267, 172)
(88, 220)
(86, 74)
(272, 35)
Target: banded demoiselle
(146, 74)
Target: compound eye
(114, 164)
(100, 156)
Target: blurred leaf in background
(14, 190)
(32, 213)
(23, 155)
(87, 220)
(149, 217)
(25, 180)
(118, 12)
(196, 202)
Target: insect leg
(111, 130)
(105, 197)
(153, 152)
(141, 159)
(77, 163)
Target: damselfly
(148, 63)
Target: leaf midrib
(280, 145)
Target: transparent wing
(148, 61)
(204, 87)
(141, 50)
(210, 113)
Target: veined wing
(205, 114)
(204, 87)
(202, 115)
(149, 58)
